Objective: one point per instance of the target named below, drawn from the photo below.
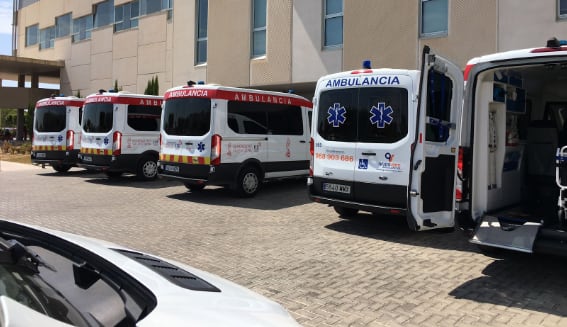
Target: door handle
(368, 153)
(417, 164)
(383, 178)
(188, 143)
(302, 141)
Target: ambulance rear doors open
(57, 132)
(514, 120)
(385, 141)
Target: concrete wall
(528, 24)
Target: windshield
(97, 117)
(368, 115)
(64, 285)
(187, 116)
(50, 119)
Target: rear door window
(50, 119)
(187, 116)
(368, 115)
(97, 117)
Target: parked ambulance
(57, 132)
(217, 135)
(514, 120)
(121, 134)
(386, 141)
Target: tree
(153, 86)
(78, 94)
(116, 88)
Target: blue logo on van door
(336, 115)
(201, 146)
(362, 163)
(60, 138)
(381, 115)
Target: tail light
(116, 143)
(459, 186)
(216, 150)
(70, 140)
(312, 152)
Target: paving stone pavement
(369, 271)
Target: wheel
(147, 168)
(61, 168)
(347, 213)
(113, 174)
(248, 182)
(194, 187)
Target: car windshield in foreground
(59, 283)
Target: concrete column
(21, 80)
(20, 117)
(35, 81)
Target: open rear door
(434, 157)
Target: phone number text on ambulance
(326, 156)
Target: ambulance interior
(520, 121)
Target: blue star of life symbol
(336, 115)
(201, 146)
(106, 140)
(381, 115)
(60, 138)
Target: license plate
(40, 155)
(88, 159)
(337, 188)
(174, 169)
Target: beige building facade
(268, 44)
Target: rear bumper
(224, 174)
(386, 210)
(120, 163)
(55, 157)
(377, 198)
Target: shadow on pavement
(395, 229)
(272, 196)
(128, 180)
(522, 281)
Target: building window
(126, 16)
(434, 18)
(63, 25)
(201, 44)
(103, 13)
(259, 28)
(32, 33)
(82, 28)
(333, 23)
(150, 6)
(47, 37)
(562, 9)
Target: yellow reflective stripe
(190, 160)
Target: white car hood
(177, 306)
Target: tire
(346, 213)
(113, 174)
(61, 168)
(248, 182)
(194, 187)
(147, 168)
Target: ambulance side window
(285, 120)
(250, 115)
(337, 115)
(439, 97)
(144, 118)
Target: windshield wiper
(15, 253)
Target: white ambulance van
(121, 134)
(217, 135)
(514, 120)
(386, 141)
(57, 132)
